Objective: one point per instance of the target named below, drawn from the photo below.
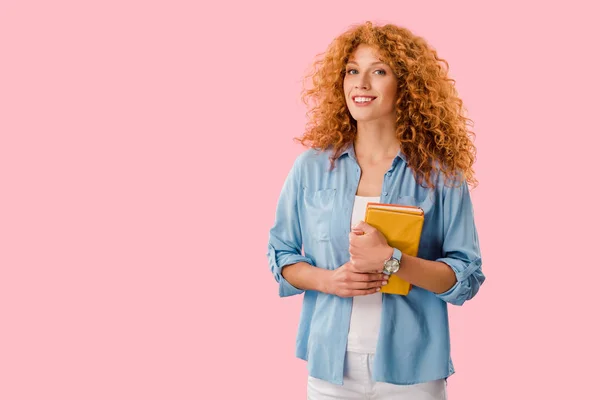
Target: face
(370, 86)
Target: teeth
(363, 99)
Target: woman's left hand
(368, 248)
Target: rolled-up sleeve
(460, 249)
(285, 240)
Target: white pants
(358, 384)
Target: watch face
(386, 268)
(391, 266)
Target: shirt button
(385, 193)
(389, 173)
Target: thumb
(363, 226)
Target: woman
(386, 126)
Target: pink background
(143, 147)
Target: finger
(363, 226)
(352, 238)
(351, 267)
(357, 266)
(362, 285)
(368, 276)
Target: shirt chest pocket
(318, 212)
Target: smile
(363, 100)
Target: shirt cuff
(287, 289)
(277, 263)
(462, 290)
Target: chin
(363, 118)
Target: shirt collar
(350, 152)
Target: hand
(368, 248)
(346, 281)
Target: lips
(363, 100)
(361, 96)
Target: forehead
(365, 54)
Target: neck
(376, 140)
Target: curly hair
(430, 125)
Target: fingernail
(378, 289)
(385, 283)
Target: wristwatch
(392, 264)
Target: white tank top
(366, 310)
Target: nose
(362, 83)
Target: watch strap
(397, 254)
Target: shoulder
(454, 189)
(311, 167)
(445, 182)
(312, 160)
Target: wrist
(398, 255)
(324, 280)
(392, 264)
(388, 252)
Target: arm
(460, 250)
(369, 249)
(296, 273)
(434, 276)
(285, 241)
(456, 276)
(304, 276)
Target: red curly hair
(430, 125)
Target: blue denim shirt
(312, 224)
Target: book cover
(401, 225)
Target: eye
(349, 71)
(382, 71)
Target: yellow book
(401, 225)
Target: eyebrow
(375, 63)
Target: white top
(366, 310)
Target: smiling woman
(386, 126)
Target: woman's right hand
(347, 281)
